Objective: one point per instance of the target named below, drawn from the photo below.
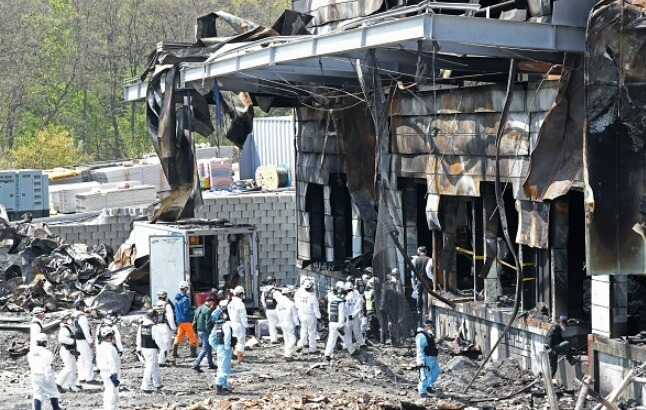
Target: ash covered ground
(379, 377)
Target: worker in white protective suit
(148, 339)
(67, 378)
(354, 311)
(109, 364)
(269, 300)
(238, 316)
(84, 343)
(42, 375)
(337, 316)
(36, 325)
(111, 320)
(308, 313)
(166, 323)
(288, 319)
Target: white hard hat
(395, 271)
(349, 286)
(339, 285)
(223, 304)
(238, 290)
(370, 283)
(184, 285)
(37, 310)
(162, 293)
(287, 291)
(41, 337)
(106, 331)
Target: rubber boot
(193, 351)
(37, 405)
(55, 405)
(175, 355)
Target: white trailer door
(167, 264)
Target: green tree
(50, 148)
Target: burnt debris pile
(37, 268)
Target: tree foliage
(49, 148)
(63, 64)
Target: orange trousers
(186, 329)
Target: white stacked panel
(154, 174)
(63, 196)
(116, 197)
(206, 153)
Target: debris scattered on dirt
(39, 269)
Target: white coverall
(117, 335)
(337, 327)
(35, 327)
(109, 363)
(167, 330)
(85, 367)
(272, 315)
(42, 376)
(238, 319)
(151, 365)
(308, 313)
(288, 319)
(67, 377)
(354, 308)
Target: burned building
(506, 137)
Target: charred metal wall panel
(615, 142)
(460, 136)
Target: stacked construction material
(206, 153)
(124, 195)
(148, 172)
(221, 172)
(226, 151)
(204, 173)
(155, 176)
(63, 197)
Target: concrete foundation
(523, 342)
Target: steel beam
(459, 35)
(486, 37)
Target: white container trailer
(208, 254)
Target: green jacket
(202, 320)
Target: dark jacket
(202, 321)
(183, 311)
(554, 336)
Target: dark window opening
(577, 273)
(341, 208)
(204, 269)
(464, 244)
(314, 207)
(636, 304)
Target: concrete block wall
(112, 230)
(274, 215)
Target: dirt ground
(381, 377)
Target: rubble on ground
(40, 269)
(380, 377)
